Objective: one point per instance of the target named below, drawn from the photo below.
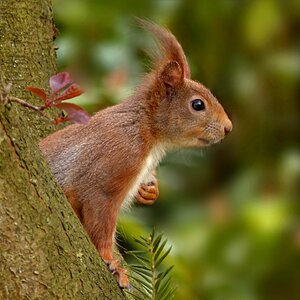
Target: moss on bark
(44, 252)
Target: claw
(113, 265)
(122, 278)
(130, 288)
(119, 273)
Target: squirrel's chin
(208, 142)
(204, 142)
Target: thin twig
(39, 109)
(26, 104)
(5, 98)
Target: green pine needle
(148, 269)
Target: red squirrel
(111, 160)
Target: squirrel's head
(185, 112)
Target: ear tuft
(168, 48)
(172, 74)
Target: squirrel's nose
(227, 127)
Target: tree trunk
(44, 252)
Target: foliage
(148, 269)
(62, 87)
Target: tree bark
(44, 252)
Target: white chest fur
(149, 164)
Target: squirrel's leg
(75, 203)
(99, 220)
(148, 192)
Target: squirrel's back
(92, 154)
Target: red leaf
(75, 113)
(39, 92)
(59, 81)
(71, 92)
(60, 120)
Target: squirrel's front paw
(119, 273)
(148, 193)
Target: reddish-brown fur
(102, 164)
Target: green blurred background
(231, 212)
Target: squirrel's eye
(198, 104)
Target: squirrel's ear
(172, 74)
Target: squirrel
(111, 161)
